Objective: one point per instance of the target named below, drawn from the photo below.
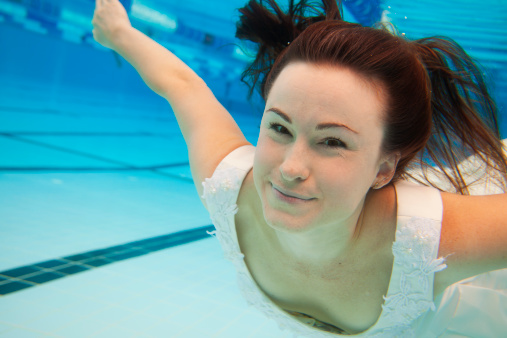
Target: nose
(295, 164)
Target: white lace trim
(413, 250)
(220, 193)
(415, 246)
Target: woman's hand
(109, 20)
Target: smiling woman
(325, 231)
(322, 126)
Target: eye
(279, 129)
(333, 143)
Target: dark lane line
(27, 276)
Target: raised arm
(209, 130)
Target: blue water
(48, 44)
(92, 159)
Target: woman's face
(319, 147)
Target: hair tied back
(265, 24)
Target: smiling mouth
(288, 197)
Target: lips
(290, 195)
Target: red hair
(439, 110)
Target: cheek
(266, 152)
(263, 160)
(336, 179)
(345, 181)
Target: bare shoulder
(473, 237)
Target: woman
(325, 231)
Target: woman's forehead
(326, 92)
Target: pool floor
(81, 178)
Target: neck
(325, 247)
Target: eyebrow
(321, 126)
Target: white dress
(476, 307)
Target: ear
(387, 169)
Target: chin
(281, 221)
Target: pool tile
(72, 269)
(162, 310)
(22, 333)
(138, 322)
(167, 328)
(51, 264)
(97, 262)
(13, 287)
(90, 325)
(4, 327)
(193, 332)
(213, 323)
(22, 313)
(119, 331)
(44, 277)
(124, 255)
(19, 272)
(79, 257)
(111, 315)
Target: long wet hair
(439, 111)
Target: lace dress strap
(229, 175)
(415, 253)
(221, 193)
(241, 159)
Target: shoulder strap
(221, 193)
(416, 200)
(415, 253)
(232, 170)
(241, 158)
(221, 190)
